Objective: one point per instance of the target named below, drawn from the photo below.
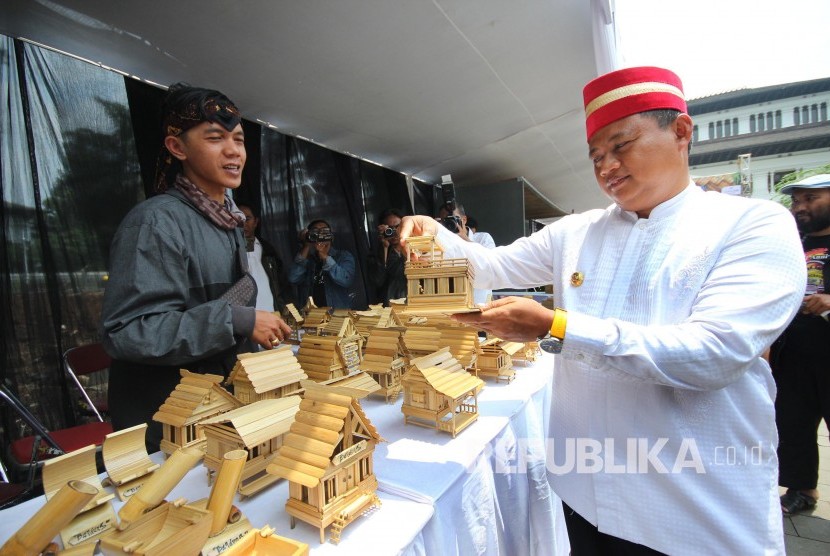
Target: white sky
(723, 45)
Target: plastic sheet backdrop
(69, 175)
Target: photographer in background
(321, 271)
(452, 216)
(386, 264)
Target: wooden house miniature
(383, 359)
(435, 284)
(495, 359)
(126, 460)
(463, 343)
(295, 320)
(195, 398)
(526, 353)
(338, 325)
(266, 375)
(98, 516)
(420, 340)
(327, 459)
(438, 393)
(376, 317)
(314, 316)
(327, 357)
(257, 428)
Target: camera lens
(452, 223)
(389, 232)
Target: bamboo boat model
(263, 542)
(97, 517)
(151, 526)
(126, 460)
(35, 537)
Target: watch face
(551, 345)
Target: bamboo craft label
(349, 452)
(89, 532)
(224, 545)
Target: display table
(478, 493)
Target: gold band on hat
(631, 90)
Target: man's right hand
(269, 330)
(417, 225)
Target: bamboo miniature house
(438, 393)
(295, 320)
(376, 317)
(495, 359)
(196, 397)
(338, 325)
(98, 516)
(126, 460)
(420, 340)
(327, 459)
(257, 428)
(435, 284)
(314, 316)
(266, 375)
(327, 357)
(526, 353)
(383, 359)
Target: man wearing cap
(665, 302)
(799, 357)
(178, 294)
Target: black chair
(25, 455)
(87, 367)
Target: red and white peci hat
(628, 91)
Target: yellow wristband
(560, 322)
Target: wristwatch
(552, 342)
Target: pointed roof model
(195, 397)
(329, 417)
(266, 373)
(444, 374)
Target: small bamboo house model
(326, 357)
(376, 317)
(495, 359)
(314, 316)
(438, 393)
(338, 325)
(257, 428)
(358, 385)
(526, 354)
(463, 343)
(436, 284)
(295, 320)
(266, 375)
(383, 360)
(195, 398)
(420, 340)
(327, 459)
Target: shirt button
(580, 356)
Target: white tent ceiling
(484, 89)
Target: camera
(389, 232)
(319, 235)
(451, 221)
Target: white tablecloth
(483, 492)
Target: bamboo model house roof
(258, 422)
(294, 313)
(383, 350)
(195, 397)
(444, 374)
(338, 325)
(359, 384)
(318, 429)
(268, 370)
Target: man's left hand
(517, 319)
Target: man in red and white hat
(662, 422)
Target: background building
(745, 141)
